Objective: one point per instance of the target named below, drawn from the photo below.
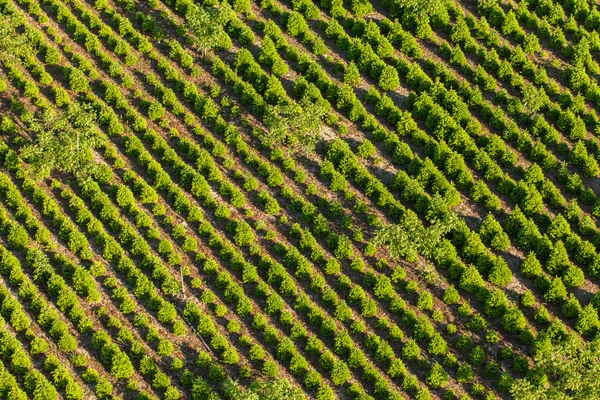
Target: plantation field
(287, 199)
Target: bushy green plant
(437, 377)
(388, 79)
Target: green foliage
(39, 346)
(332, 267)
(491, 233)
(500, 274)
(270, 389)
(571, 308)
(437, 346)
(411, 350)
(340, 374)
(423, 10)
(437, 377)
(464, 374)
(296, 25)
(352, 75)
(244, 235)
(425, 301)
(77, 80)
(513, 320)
(451, 295)
(207, 26)
(38, 387)
(64, 142)
(61, 97)
(240, 6)
(557, 292)
(409, 238)
(573, 366)
(531, 267)
(573, 276)
(587, 322)
(528, 299)
(388, 79)
(298, 123)
(471, 280)
(156, 111)
(361, 7)
(366, 149)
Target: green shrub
(388, 79)
(332, 267)
(366, 149)
(425, 301)
(451, 296)
(411, 350)
(340, 374)
(165, 348)
(531, 267)
(270, 369)
(296, 25)
(352, 75)
(557, 292)
(587, 321)
(77, 80)
(436, 377)
(464, 374)
(156, 111)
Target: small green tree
(121, 367)
(573, 276)
(422, 10)
(411, 350)
(436, 377)
(39, 346)
(471, 280)
(409, 238)
(297, 123)
(587, 323)
(559, 259)
(533, 99)
(361, 7)
(77, 80)
(464, 374)
(425, 301)
(437, 346)
(296, 25)
(389, 80)
(451, 295)
(352, 75)
(156, 111)
(63, 142)
(531, 267)
(528, 299)
(270, 369)
(513, 320)
(557, 292)
(244, 236)
(397, 368)
(207, 26)
(340, 374)
(500, 274)
(571, 308)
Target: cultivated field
(274, 199)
